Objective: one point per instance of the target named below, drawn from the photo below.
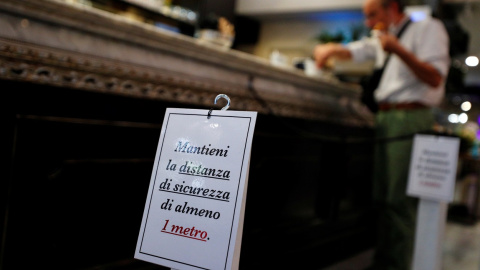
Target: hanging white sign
(433, 167)
(193, 215)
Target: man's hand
(389, 42)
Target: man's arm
(422, 70)
(323, 52)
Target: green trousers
(396, 211)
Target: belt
(385, 106)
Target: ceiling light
(472, 61)
(466, 106)
(463, 118)
(453, 118)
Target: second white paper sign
(433, 167)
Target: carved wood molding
(30, 63)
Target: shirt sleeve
(433, 46)
(362, 50)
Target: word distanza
(190, 168)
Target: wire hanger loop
(215, 102)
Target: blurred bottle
(278, 59)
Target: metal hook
(225, 97)
(215, 102)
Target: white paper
(197, 189)
(433, 167)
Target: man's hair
(400, 3)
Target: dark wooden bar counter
(83, 95)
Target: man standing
(412, 83)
